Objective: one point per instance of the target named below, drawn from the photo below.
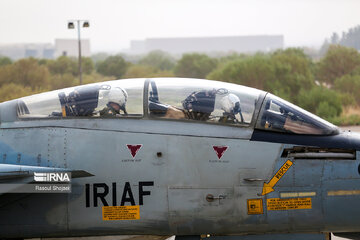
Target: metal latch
(211, 198)
(254, 180)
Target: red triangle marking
(219, 150)
(134, 149)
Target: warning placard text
(288, 204)
(255, 206)
(121, 212)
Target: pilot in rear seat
(84, 100)
(116, 102)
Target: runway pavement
(136, 238)
(351, 128)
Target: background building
(17, 51)
(69, 47)
(241, 44)
(66, 47)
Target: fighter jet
(194, 158)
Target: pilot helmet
(119, 97)
(230, 104)
(200, 104)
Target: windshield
(282, 116)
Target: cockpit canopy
(175, 99)
(92, 100)
(281, 116)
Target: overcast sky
(113, 24)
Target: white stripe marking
(297, 194)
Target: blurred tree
(5, 61)
(6, 73)
(232, 57)
(66, 65)
(43, 61)
(334, 38)
(96, 77)
(284, 73)
(347, 100)
(325, 110)
(159, 60)
(139, 71)
(87, 65)
(356, 71)
(98, 57)
(322, 101)
(350, 85)
(162, 74)
(253, 71)
(11, 91)
(351, 38)
(293, 71)
(63, 65)
(222, 61)
(58, 81)
(195, 65)
(337, 62)
(112, 66)
(312, 53)
(297, 59)
(324, 48)
(25, 72)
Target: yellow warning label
(121, 212)
(288, 204)
(268, 187)
(255, 206)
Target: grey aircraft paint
(186, 178)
